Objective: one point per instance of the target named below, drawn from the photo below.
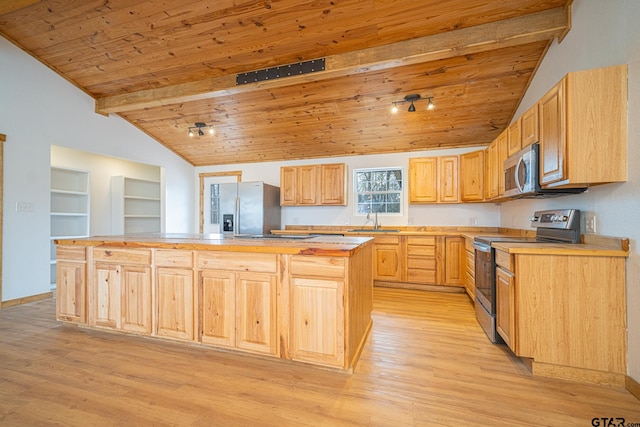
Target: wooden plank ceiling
(165, 65)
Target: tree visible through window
(378, 190)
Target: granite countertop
(316, 245)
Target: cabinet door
(553, 144)
(317, 321)
(423, 180)
(174, 291)
(530, 127)
(256, 312)
(454, 258)
(136, 298)
(503, 142)
(332, 184)
(106, 309)
(472, 176)
(70, 291)
(490, 176)
(387, 262)
(307, 185)
(448, 187)
(288, 186)
(514, 137)
(505, 306)
(217, 308)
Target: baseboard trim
(419, 287)
(632, 386)
(590, 376)
(26, 300)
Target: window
(378, 190)
(214, 197)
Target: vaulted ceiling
(165, 65)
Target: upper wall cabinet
(434, 180)
(583, 129)
(313, 185)
(472, 176)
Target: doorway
(209, 198)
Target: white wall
(485, 214)
(603, 33)
(39, 109)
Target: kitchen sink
(371, 230)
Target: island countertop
(290, 245)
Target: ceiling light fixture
(197, 129)
(411, 99)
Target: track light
(197, 129)
(411, 99)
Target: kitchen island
(300, 298)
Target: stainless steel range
(552, 226)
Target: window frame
(379, 169)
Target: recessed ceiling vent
(281, 71)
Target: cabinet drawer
(421, 251)
(421, 240)
(504, 260)
(317, 266)
(468, 245)
(428, 263)
(387, 240)
(245, 261)
(173, 258)
(71, 253)
(124, 256)
(470, 264)
(415, 275)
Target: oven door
(485, 276)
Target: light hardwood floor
(426, 363)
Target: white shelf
(136, 206)
(69, 208)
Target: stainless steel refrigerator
(249, 208)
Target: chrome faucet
(376, 224)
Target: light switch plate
(24, 207)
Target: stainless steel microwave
(521, 176)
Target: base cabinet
(388, 255)
(71, 301)
(238, 310)
(505, 317)
(174, 291)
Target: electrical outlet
(409, 221)
(24, 207)
(590, 223)
(473, 220)
(347, 221)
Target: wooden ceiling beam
(545, 25)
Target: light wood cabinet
(423, 180)
(307, 185)
(470, 268)
(421, 259)
(238, 301)
(490, 171)
(71, 303)
(313, 185)
(256, 328)
(514, 137)
(505, 307)
(333, 184)
(288, 186)
(454, 261)
(175, 294)
(121, 296)
(218, 307)
(388, 255)
(530, 126)
(317, 310)
(503, 142)
(434, 180)
(472, 176)
(583, 129)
